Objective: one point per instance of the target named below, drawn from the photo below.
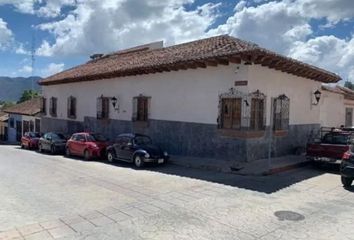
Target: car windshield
(331, 138)
(58, 136)
(34, 135)
(95, 137)
(142, 140)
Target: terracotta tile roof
(30, 107)
(201, 53)
(3, 116)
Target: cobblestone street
(53, 197)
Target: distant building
(217, 97)
(4, 117)
(23, 117)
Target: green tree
(349, 84)
(5, 104)
(27, 95)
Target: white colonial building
(216, 97)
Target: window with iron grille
(43, 105)
(72, 107)
(257, 114)
(53, 106)
(103, 108)
(141, 109)
(281, 113)
(231, 113)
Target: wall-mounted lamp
(246, 102)
(115, 103)
(317, 94)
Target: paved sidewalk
(254, 168)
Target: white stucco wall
(188, 95)
(332, 109)
(299, 90)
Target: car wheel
(110, 157)
(67, 152)
(87, 156)
(347, 182)
(52, 150)
(138, 161)
(40, 148)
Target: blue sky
(66, 32)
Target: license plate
(160, 160)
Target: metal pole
(270, 134)
(32, 63)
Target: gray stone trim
(193, 139)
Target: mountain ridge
(11, 88)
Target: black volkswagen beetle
(136, 148)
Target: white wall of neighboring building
(189, 95)
(332, 109)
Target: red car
(87, 145)
(30, 140)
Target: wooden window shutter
(69, 107)
(99, 108)
(73, 106)
(135, 109)
(105, 108)
(43, 106)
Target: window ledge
(246, 134)
(280, 133)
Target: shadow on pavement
(264, 184)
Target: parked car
(331, 147)
(347, 168)
(87, 145)
(136, 148)
(30, 140)
(52, 142)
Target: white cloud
(25, 70)
(6, 35)
(332, 10)
(43, 8)
(52, 69)
(328, 52)
(109, 25)
(24, 6)
(284, 26)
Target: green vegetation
(6, 104)
(349, 85)
(27, 95)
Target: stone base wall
(194, 139)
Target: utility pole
(32, 62)
(270, 134)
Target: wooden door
(231, 113)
